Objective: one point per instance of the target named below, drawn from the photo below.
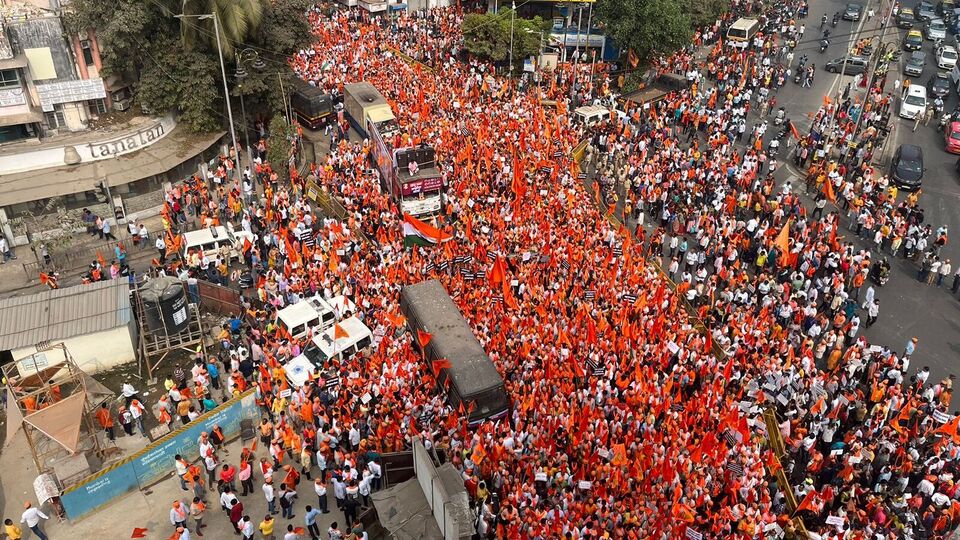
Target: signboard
(128, 143)
(69, 91)
(13, 97)
(412, 189)
(156, 460)
(32, 364)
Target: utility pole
(513, 12)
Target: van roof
(917, 90)
(590, 110)
(355, 330)
(299, 370)
(297, 314)
(205, 236)
(744, 22)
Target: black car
(855, 65)
(906, 169)
(945, 6)
(853, 12)
(905, 18)
(939, 85)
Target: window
(87, 52)
(9, 78)
(55, 118)
(96, 107)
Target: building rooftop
(63, 313)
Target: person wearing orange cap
(178, 514)
(32, 517)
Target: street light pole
(223, 73)
(513, 11)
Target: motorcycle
(781, 114)
(836, 19)
(823, 45)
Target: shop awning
(177, 147)
(22, 118)
(18, 61)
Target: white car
(946, 57)
(915, 103)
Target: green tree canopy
(487, 36)
(175, 61)
(649, 27)
(278, 144)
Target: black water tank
(165, 305)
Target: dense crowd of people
(637, 399)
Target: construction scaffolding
(155, 344)
(53, 401)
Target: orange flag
(828, 191)
(100, 259)
(440, 364)
(498, 272)
(339, 332)
(809, 501)
(783, 239)
(950, 428)
(423, 338)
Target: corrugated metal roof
(64, 313)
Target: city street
(908, 308)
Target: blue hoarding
(157, 459)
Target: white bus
(742, 31)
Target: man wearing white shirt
(246, 528)
(32, 516)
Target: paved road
(908, 308)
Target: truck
(409, 174)
(472, 381)
(313, 106)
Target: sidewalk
(150, 507)
(16, 280)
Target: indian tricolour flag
(416, 232)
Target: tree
(175, 63)
(278, 144)
(487, 36)
(705, 12)
(238, 20)
(649, 27)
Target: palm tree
(238, 20)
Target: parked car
(853, 12)
(914, 65)
(939, 85)
(850, 65)
(906, 18)
(934, 29)
(946, 57)
(924, 11)
(913, 41)
(951, 137)
(915, 103)
(906, 169)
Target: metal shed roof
(64, 313)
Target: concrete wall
(445, 494)
(45, 32)
(95, 352)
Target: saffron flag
(440, 364)
(828, 191)
(783, 239)
(423, 338)
(421, 233)
(339, 332)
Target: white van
(212, 239)
(310, 313)
(589, 115)
(742, 32)
(915, 103)
(324, 347)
